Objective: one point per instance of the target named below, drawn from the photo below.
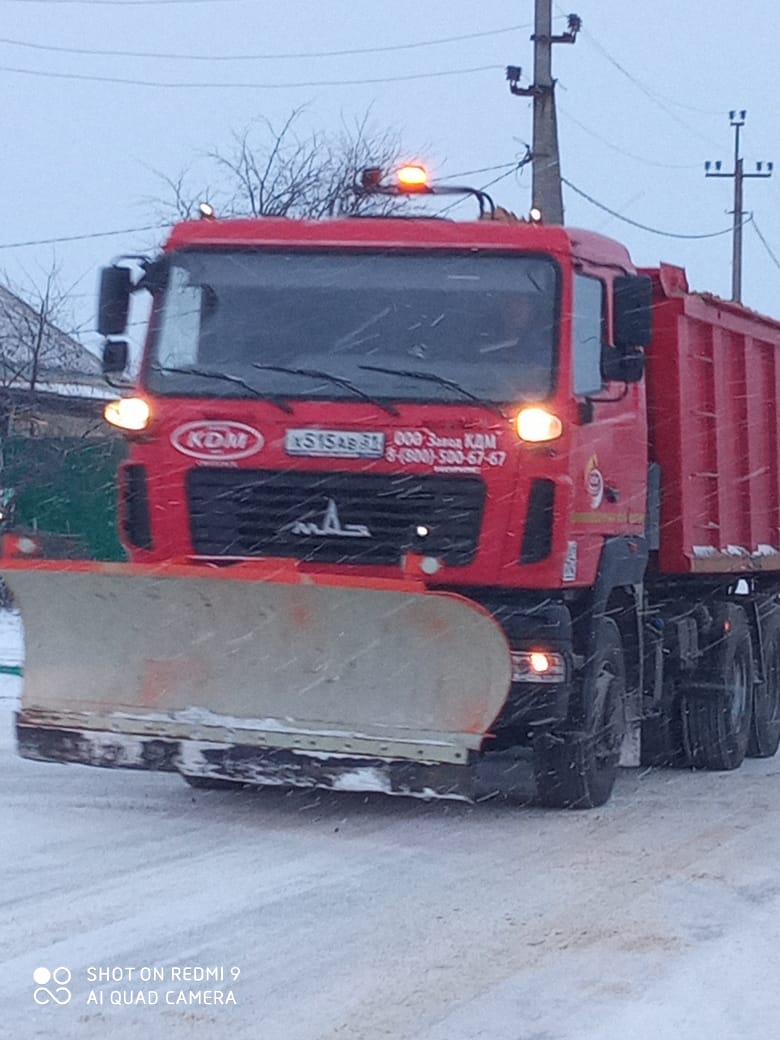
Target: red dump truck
(404, 493)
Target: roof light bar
(412, 179)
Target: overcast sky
(644, 97)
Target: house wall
(43, 421)
(58, 467)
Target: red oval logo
(216, 439)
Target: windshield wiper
(209, 373)
(432, 377)
(315, 373)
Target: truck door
(608, 440)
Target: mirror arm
(586, 407)
(608, 400)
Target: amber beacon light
(412, 178)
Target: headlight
(131, 414)
(537, 425)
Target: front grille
(334, 517)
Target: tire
(765, 721)
(6, 597)
(717, 704)
(212, 783)
(577, 770)
(662, 738)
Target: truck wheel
(577, 770)
(212, 783)
(765, 723)
(717, 705)
(662, 738)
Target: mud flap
(258, 656)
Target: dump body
(713, 404)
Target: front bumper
(278, 767)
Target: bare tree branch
(32, 341)
(270, 171)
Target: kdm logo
(218, 440)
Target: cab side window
(587, 334)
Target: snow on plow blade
(255, 672)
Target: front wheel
(577, 770)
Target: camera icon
(52, 987)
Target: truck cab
(370, 393)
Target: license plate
(342, 444)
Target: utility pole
(547, 196)
(713, 169)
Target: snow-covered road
(351, 917)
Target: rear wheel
(577, 770)
(765, 722)
(662, 737)
(717, 705)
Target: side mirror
(115, 356)
(155, 274)
(114, 300)
(622, 365)
(632, 311)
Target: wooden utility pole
(738, 173)
(547, 195)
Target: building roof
(26, 337)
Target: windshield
(438, 326)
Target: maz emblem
(331, 526)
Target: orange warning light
(412, 178)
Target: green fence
(66, 486)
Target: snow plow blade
(258, 673)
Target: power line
(652, 95)
(688, 108)
(484, 169)
(636, 224)
(624, 151)
(514, 167)
(250, 86)
(764, 243)
(160, 227)
(82, 238)
(179, 56)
